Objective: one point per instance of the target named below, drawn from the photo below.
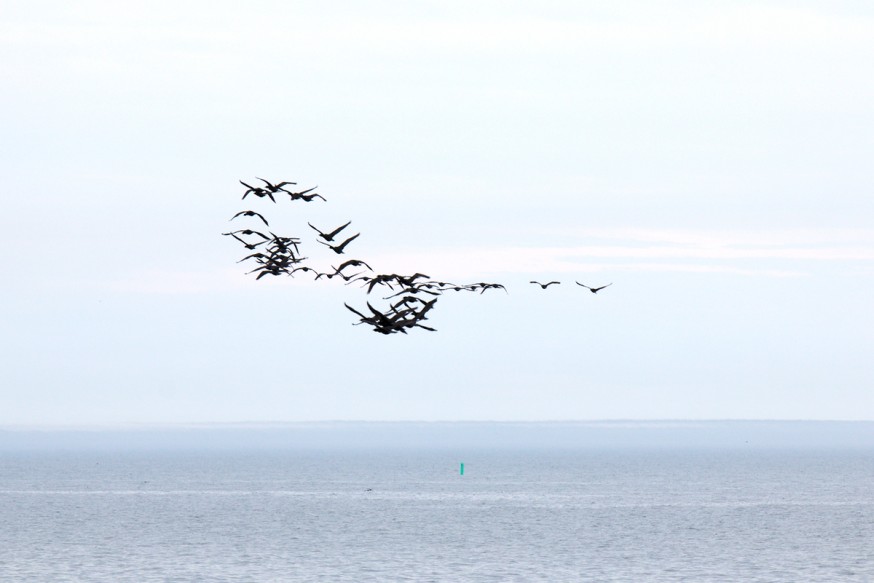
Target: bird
(545, 285)
(406, 301)
(255, 256)
(445, 286)
(594, 290)
(378, 320)
(250, 214)
(329, 236)
(305, 269)
(353, 263)
(257, 191)
(249, 232)
(386, 279)
(310, 197)
(284, 244)
(338, 249)
(338, 273)
(273, 265)
(303, 194)
(484, 286)
(371, 282)
(246, 244)
(275, 187)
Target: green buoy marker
(461, 469)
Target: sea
(119, 510)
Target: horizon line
(230, 425)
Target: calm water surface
(409, 516)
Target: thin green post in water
(461, 469)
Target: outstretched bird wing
(251, 214)
(331, 235)
(269, 185)
(316, 229)
(353, 263)
(339, 248)
(350, 308)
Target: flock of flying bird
(411, 297)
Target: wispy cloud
(775, 254)
(761, 254)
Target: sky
(712, 161)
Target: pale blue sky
(712, 161)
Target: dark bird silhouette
(257, 191)
(303, 195)
(484, 286)
(284, 244)
(246, 244)
(445, 286)
(250, 214)
(386, 279)
(276, 187)
(426, 306)
(329, 236)
(346, 277)
(412, 290)
(353, 263)
(380, 322)
(409, 280)
(400, 319)
(356, 312)
(594, 290)
(273, 266)
(406, 301)
(249, 232)
(256, 256)
(545, 285)
(338, 249)
(295, 195)
(371, 282)
(305, 269)
(336, 274)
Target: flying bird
(246, 244)
(249, 232)
(338, 249)
(250, 214)
(303, 194)
(257, 191)
(594, 290)
(353, 263)
(256, 256)
(484, 286)
(275, 187)
(545, 285)
(305, 269)
(329, 236)
(338, 273)
(284, 244)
